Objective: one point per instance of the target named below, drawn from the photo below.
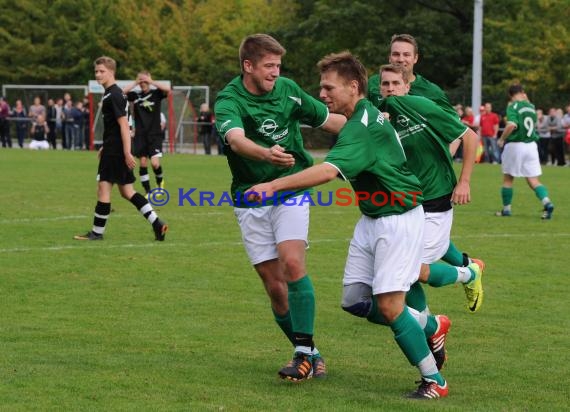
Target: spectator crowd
(553, 128)
(66, 122)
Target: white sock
(463, 275)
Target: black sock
(145, 208)
(302, 339)
(158, 173)
(102, 212)
(465, 260)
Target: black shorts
(113, 169)
(148, 146)
(438, 205)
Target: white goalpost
(181, 109)
(187, 106)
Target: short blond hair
(347, 66)
(395, 68)
(255, 46)
(106, 61)
(406, 38)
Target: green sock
(302, 305)
(375, 316)
(431, 326)
(441, 274)
(453, 256)
(542, 193)
(411, 340)
(410, 337)
(436, 377)
(285, 324)
(416, 297)
(507, 195)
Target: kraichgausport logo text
(339, 197)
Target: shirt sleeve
(450, 127)
(227, 117)
(351, 153)
(314, 112)
(309, 111)
(119, 105)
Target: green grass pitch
(184, 325)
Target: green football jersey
(419, 87)
(423, 87)
(374, 90)
(269, 119)
(425, 131)
(523, 114)
(369, 155)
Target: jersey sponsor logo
(405, 128)
(402, 120)
(268, 128)
(280, 136)
(526, 110)
(144, 103)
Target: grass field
(184, 325)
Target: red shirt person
(489, 128)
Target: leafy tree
(196, 41)
(365, 28)
(526, 42)
(220, 25)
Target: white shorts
(521, 160)
(437, 233)
(385, 253)
(262, 228)
(39, 144)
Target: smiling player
(258, 115)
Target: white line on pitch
(59, 218)
(236, 243)
(41, 219)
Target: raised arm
(159, 85)
(130, 87)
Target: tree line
(195, 42)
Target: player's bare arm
(247, 148)
(159, 85)
(453, 146)
(126, 138)
(313, 176)
(334, 123)
(130, 87)
(462, 192)
(506, 133)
